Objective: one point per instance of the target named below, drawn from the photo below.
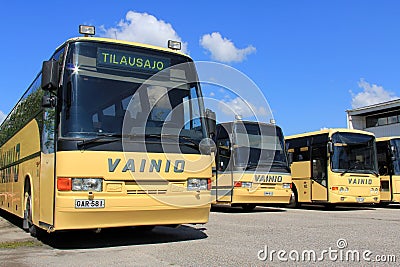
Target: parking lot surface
(346, 236)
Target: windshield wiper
(101, 138)
(184, 140)
(353, 167)
(281, 164)
(373, 172)
(251, 166)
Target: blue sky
(311, 59)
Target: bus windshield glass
(105, 83)
(259, 146)
(395, 143)
(354, 153)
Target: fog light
(342, 198)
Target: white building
(382, 119)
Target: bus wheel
(294, 202)
(145, 228)
(248, 207)
(383, 204)
(28, 222)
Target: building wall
(383, 117)
(385, 130)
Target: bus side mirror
(50, 75)
(330, 147)
(211, 122)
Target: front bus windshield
(101, 80)
(395, 143)
(354, 153)
(259, 146)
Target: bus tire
(248, 207)
(294, 200)
(145, 228)
(28, 221)
(383, 204)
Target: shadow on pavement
(336, 208)
(258, 209)
(110, 237)
(124, 236)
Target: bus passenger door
(223, 184)
(385, 167)
(46, 178)
(319, 173)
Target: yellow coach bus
(333, 166)
(388, 154)
(251, 165)
(95, 143)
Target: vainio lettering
(153, 165)
(262, 178)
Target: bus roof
(229, 124)
(387, 138)
(128, 43)
(328, 131)
(248, 122)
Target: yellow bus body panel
(132, 197)
(396, 188)
(386, 195)
(359, 187)
(12, 192)
(259, 193)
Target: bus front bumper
(346, 199)
(120, 211)
(261, 196)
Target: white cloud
(2, 116)
(239, 106)
(223, 49)
(371, 94)
(143, 28)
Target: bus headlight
(287, 186)
(87, 184)
(344, 189)
(374, 191)
(247, 184)
(195, 184)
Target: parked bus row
(111, 133)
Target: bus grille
(146, 188)
(146, 192)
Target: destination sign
(131, 61)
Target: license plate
(268, 193)
(89, 204)
(360, 199)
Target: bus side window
(319, 164)
(301, 154)
(383, 158)
(224, 154)
(223, 148)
